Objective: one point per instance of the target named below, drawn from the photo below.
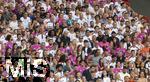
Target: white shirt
(75, 17)
(72, 12)
(65, 30)
(134, 28)
(109, 25)
(132, 59)
(139, 46)
(81, 21)
(46, 7)
(98, 74)
(81, 1)
(80, 43)
(48, 23)
(125, 45)
(74, 3)
(14, 37)
(121, 10)
(147, 65)
(91, 9)
(42, 38)
(59, 1)
(84, 15)
(89, 19)
(119, 81)
(91, 29)
(101, 49)
(25, 1)
(122, 75)
(40, 53)
(63, 79)
(107, 60)
(2, 39)
(120, 37)
(25, 21)
(99, 24)
(52, 80)
(115, 30)
(134, 48)
(59, 74)
(120, 26)
(53, 52)
(15, 73)
(106, 79)
(13, 24)
(18, 42)
(113, 64)
(72, 36)
(29, 3)
(65, 17)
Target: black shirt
(87, 75)
(100, 38)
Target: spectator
(73, 41)
(142, 78)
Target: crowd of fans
(73, 41)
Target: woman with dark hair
(78, 59)
(9, 43)
(14, 53)
(142, 77)
(132, 76)
(51, 33)
(78, 77)
(14, 48)
(101, 65)
(8, 53)
(62, 58)
(79, 50)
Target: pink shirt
(81, 68)
(63, 50)
(48, 79)
(60, 21)
(49, 47)
(105, 45)
(123, 50)
(50, 10)
(72, 58)
(9, 45)
(36, 47)
(117, 70)
(141, 36)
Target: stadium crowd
(73, 41)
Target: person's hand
(31, 77)
(84, 79)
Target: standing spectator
(25, 20)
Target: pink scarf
(36, 47)
(49, 47)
